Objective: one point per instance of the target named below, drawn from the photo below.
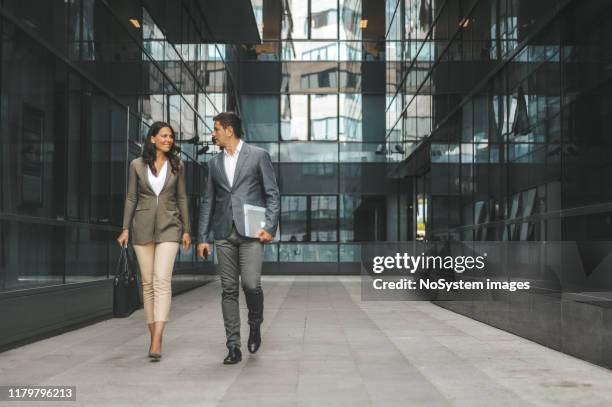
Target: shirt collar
(238, 148)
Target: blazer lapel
(244, 152)
(144, 174)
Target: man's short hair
(227, 119)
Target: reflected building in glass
(496, 117)
(312, 94)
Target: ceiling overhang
(224, 21)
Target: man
(241, 174)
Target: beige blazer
(152, 218)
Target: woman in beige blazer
(157, 214)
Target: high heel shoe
(155, 357)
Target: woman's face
(163, 140)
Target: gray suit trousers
(242, 257)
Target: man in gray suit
(241, 174)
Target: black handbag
(126, 299)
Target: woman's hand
(186, 241)
(123, 238)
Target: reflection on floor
(321, 346)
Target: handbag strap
(125, 269)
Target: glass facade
(80, 82)
(497, 115)
(386, 121)
(312, 94)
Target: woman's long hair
(149, 152)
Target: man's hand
(202, 250)
(264, 237)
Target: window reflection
(309, 51)
(323, 117)
(308, 252)
(350, 20)
(350, 117)
(309, 77)
(294, 117)
(309, 218)
(295, 19)
(293, 218)
(323, 216)
(324, 19)
(309, 152)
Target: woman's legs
(163, 264)
(145, 255)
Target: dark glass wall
(80, 82)
(499, 109)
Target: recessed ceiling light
(363, 24)
(135, 23)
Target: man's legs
(251, 257)
(227, 254)
(240, 256)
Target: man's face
(220, 135)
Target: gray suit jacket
(152, 219)
(254, 183)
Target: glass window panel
(260, 117)
(310, 77)
(350, 76)
(350, 253)
(214, 104)
(87, 254)
(118, 118)
(309, 51)
(270, 253)
(314, 178)
(74, 170)
(350, 51)
(350, 20)
(294, 117)
(295, 19)
(309, 152)
(174, 103)
(361, 152)
(323, 218)
(187, 118)
(467, 153)
(271, 148)
(308, 252)
(99, 147)
(293, 218)
(324, 117)
(348, 206)
(21, 269)
(323, 19)
(350, 119)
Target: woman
(157, 213)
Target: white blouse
(157, 183)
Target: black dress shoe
(233, 356)
(254, 338)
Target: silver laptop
(254, 219)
